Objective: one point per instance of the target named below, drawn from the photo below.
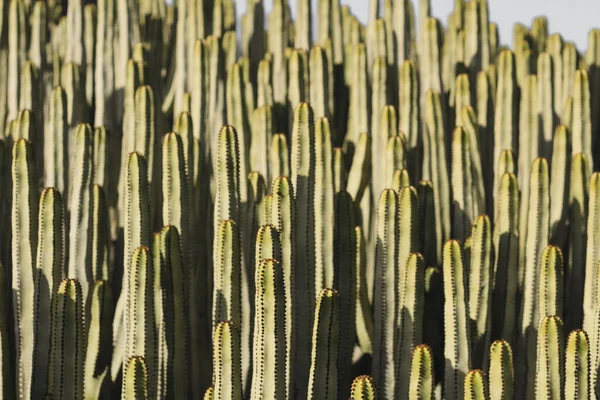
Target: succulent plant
(330, 209)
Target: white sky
(571, 18)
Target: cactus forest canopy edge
(325, 210)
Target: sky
(571, 18)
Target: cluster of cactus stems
(322, 210)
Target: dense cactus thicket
(322, 210)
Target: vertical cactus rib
(537, 231)
(590, 291)
(422, 379)
(227, 362)
(303, 176)
(435, 158)
(81, 182)
(363, 388)
(99, 339)
(410, 317)
(24, 246)
(385, 301)
(283, 218)
(575, 267)
(549, 379)
(577, 366)
(135, 379)
(501, 373)
(323, 382)
(227, 271)
(457, 333)
(344, 262)
(49, 271)
(269, 380)
(480, 287)
(506, 246)
(68, 342)
(323, 206)
(476, 385)
(139, 312)
(172, 281)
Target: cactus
(537, 237)
(81, 182)
(171, 281)
(139, 312)
(24, 247)
(190, 171)
(227, 362)
(578, 212)
(99, 343)
(385, 300)
(66, 381)
(49, 271)
(506, 245)
(457, 336)
(434, 165)
(550, 359)
(501, 373)
(577, 366)
(476, 386)
(422, 380)
(363, 388)
(269, 379)
(322, 382)
(480, 287)
(135, 380)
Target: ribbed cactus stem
(323, 206)
(456, 330)
(476, 385)
(227, 362)
(68, 342)
(480, 287)
(410, 317)
(435, 166)
(537, 232)
(549, 379)
(578, 211)
(506, 246)
(577, 366)
(24, 247)
(269, 380)
(55, 147)
(99, 339)
(172, 281)
(135, 379)
(48, 275)
(590, 292)
(323, 382)
(344, 259)
(81, 182)
(363, 388)
(385, 298)
(422, 380)
(501, 373)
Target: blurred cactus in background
(315, 208)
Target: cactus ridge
(329, 208)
